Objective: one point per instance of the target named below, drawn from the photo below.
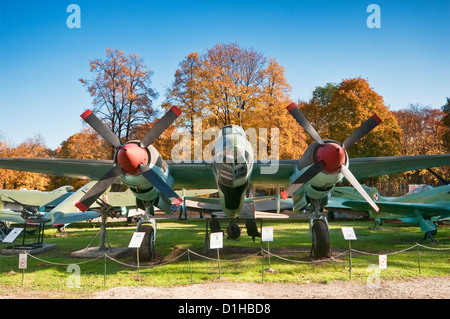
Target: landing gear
(320, 237)
(320, 234)
(430, 234)
(147, 250)
(233, 230)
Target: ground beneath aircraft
(417, 288)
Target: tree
(121, 90)
(31, 147)
(422, 132)
(446, 122)
(422, 128)
(229, 84)
(351, 103)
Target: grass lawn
(240, 260)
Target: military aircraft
(40, 200)
(63, 213)
(424, 206)
(151, 179)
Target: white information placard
(136, 240)
(22, 261)
(349, 233)
(267, 233)
(382, 261)
(12, 235)
(216, 240)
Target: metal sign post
(136, 242)
(267, 235)
(216, 242)
(349, 234)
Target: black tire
(320, 239)
(147, 249)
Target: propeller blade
(361, 131)
(99, 188)
(160, 184)
(349, 176)
(301, 119)
(101, 128)
(312, 171)
(160, 126)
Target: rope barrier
(61, 264)
(237, 259)
(262, 252)
(308, 262)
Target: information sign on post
(11, 237)
(349, 234)
(22, 261)
(216, 240)
(136, 240)
(382, 261)
(267, 233)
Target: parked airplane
(39, 200)
(424, 206)
(63, 213)
(151, 179)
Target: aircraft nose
(130, 156)
(333, 155)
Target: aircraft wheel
(147, 249)
(233, 230)
(320, 239)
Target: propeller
(131, 158)
(330, 157)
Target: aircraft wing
(58, 218)
(377, 166)
(76, 168)
(8, 215)
(200, 175)
(399, 209)
(61, 218)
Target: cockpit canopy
(233, 129)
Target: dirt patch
(418, 288)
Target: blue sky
(406, 61)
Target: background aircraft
(139, 165)
(42, 201)
(63, 213)
(424, 206)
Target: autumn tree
(337, 110)
(422, 131)
(31, 147)
(229, 84)
(446, 122)
(121, 91)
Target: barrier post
(418, 258)
(190, 269)
(104, 273)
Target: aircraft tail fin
(68, 205)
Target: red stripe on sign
(81, 206)
(86, 114)
(376, 118)
(176, 110)
(291, 106)
(177, 201)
